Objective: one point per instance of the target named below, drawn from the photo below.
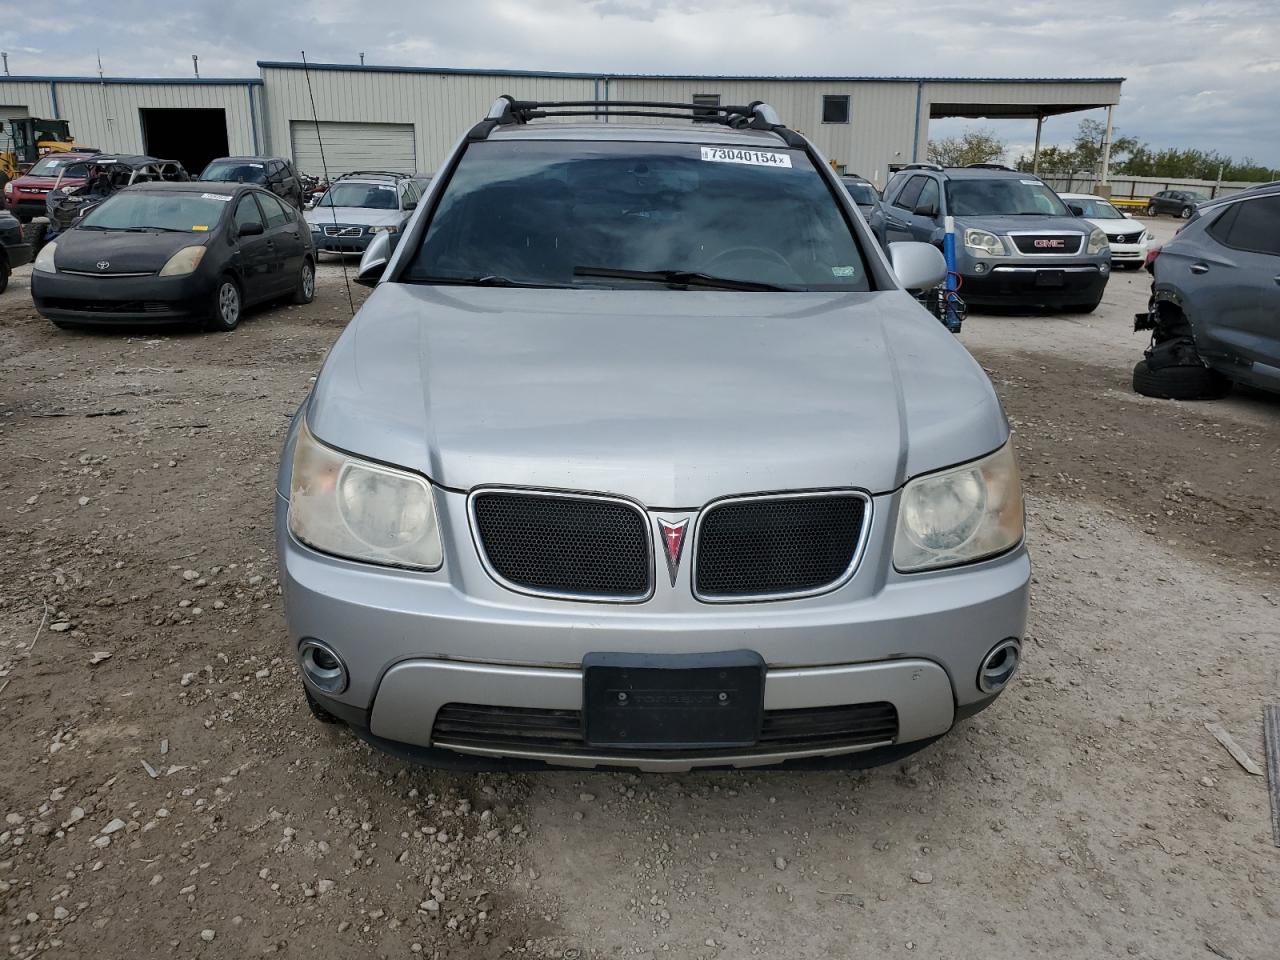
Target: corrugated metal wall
(105, 115)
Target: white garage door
(353, 146)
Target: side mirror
(929, 210)
(411, 204)
(918, 266)
(1128, 216)
(1076, 209)
(251, 230)
(374, 262)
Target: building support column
(1035, 154)
(1104, 183)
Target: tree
(1088, 146)
(973, 146)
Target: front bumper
(329, 244)
(1129, 252)
(26, 207)
(414, 642)
(1026, 284)
(90, 300)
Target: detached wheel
(317, 711)
(227, 306)
(306, 289)
(1151, 210)
(1182, 382)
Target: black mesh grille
(1049, 243)
(777, 546)
(560, 731)
(1124, 237)
(564, 544)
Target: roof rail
(375, 173)
(756, 115)
(988, 166)
(921, 166)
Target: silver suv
(640, 454)
(359, 206)
(1017, 243)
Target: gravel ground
(166, 793)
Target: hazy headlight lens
(391, 229)
(1097, 240)
(980, 241)
(960, 515)
(44, 259)
(183, 262)
(360, 510)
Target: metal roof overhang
(1009, 111)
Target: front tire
(228, 304)
(306, 289)
(1151, 210)
(1181, 382)
(318, 712)
(1187, 212)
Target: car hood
(124, 252)
(1125, 226)
(672, 398)
(29, 182)
(352, 215)
(1004, 225)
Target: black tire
(317, 711)
(1182, 382)
(1152, 211)
(1187, 212)
(34, 233)
(305, 292)
(4, 274)
(225, 310)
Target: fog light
(979, 268)
(999, 666)
(1104, 269)
(322, 666)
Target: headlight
(360, 510)
(8, 186)
(961, 514)
(44, 259)
(183, 262)
(980, 241)
(1097, 241)
(384, 229)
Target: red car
(25, 196)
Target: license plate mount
(1050, 278)
(672, 701)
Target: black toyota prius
(167, 252)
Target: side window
(274, 209)
(835, 109)
(247, 211)
(929, 194)
(1252, 225)
(911, 192)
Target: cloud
(1200, 73)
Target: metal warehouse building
(407, 118)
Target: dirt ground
(166, 793)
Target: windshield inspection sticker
(755, 158)
(843, 271)
(216, 196)
(200, 228)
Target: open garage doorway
(191, 136)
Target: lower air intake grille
(560, 731)
(565, 545)
(776, 546)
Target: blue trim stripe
(166, 81)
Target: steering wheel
(758, 254)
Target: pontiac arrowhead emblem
(673, 543)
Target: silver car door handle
(1199, 268)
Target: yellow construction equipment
(24, 140)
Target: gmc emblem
(1054, 244)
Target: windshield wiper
(146, 229)
(491, 280)
(683, 278)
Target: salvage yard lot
(1087, 814)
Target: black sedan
(1180, 203)
(165, 252)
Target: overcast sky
(1203, 73)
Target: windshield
(577, 214)
(51, 166)
(1003, 197)
(374, 196)
(861, 191)
(235, 171)
(133, 210)
(1095, 208)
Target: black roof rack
(987, 166)
(756, 115)
(921, 166)
(377, 173)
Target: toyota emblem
(103, 264)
